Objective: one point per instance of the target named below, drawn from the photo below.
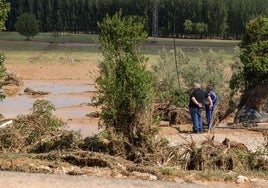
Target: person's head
(209, 88)
(197, 85)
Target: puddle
(11, 107)
(59, 88)
(61, 95)
(67, 101)
(14, 106)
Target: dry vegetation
(31, 146)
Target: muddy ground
(81, 74)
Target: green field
(66, 47)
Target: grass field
(65, 48)
(51, 37)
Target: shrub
(206, 68)
(126, 89)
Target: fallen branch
(6, 124)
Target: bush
(126, 89)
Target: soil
(87, 73)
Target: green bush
(125, 87)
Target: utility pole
(155, 21)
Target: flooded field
(72, 101)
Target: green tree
(216, 16)
(201, 29)
(254, 55)
(126, 88)
(254, 52)
(27, 25)
(4, 9)
(188, 26)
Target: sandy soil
(81, 73)
(62, 72)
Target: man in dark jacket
(196, 104)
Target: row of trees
(207, 18)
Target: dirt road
(28, 180)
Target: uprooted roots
(228, 155)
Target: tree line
(180, 18)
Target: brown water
(70, 102)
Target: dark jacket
(199, 95)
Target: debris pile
(32, 92)
(11, 78)
(172, 114)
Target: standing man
(210, 109)
(196, 104)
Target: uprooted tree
(125, 87)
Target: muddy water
(70, 99)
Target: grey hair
(197, 85)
